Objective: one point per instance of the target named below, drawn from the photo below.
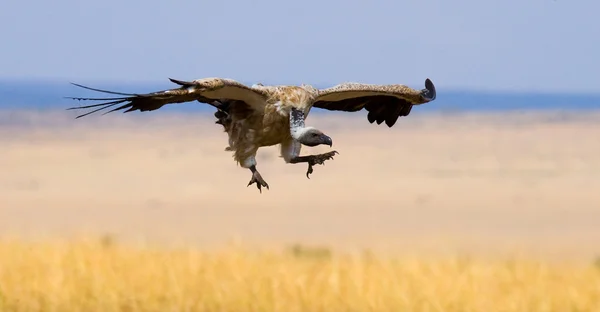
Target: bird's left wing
(207, 90)
(383, 102)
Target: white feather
(249, 162)
(298, 132)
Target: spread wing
(207, 90)
(383, 102)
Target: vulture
(258, 115)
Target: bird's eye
(315, 135)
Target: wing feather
(207, 90)
(383, 102)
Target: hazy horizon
(32, 94)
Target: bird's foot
(257, 178)
(318, 160)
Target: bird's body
(251, 129)
(258, 116)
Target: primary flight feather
(256, 116)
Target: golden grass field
(457, 212)
(88, 276)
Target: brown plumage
(383, 102)
(259, 115)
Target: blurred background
(506, 157)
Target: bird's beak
(327, 140)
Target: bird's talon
(309, 171)
(260, 182)
(318, 160)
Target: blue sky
(517, 45)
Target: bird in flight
(258, 115)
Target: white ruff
(298, 132)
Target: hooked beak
(327, 140)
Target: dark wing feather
(142, 102)
(384, 103)
(189, 91)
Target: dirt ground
(466, 182)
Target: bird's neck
(297, 127)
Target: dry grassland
(88, 276)
(466, 212)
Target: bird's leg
(256, 178)
(313, 160)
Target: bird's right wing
(383, 102)
(207, 90)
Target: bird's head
(312, 137)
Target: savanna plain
(443, 212)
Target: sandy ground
(467, 182)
